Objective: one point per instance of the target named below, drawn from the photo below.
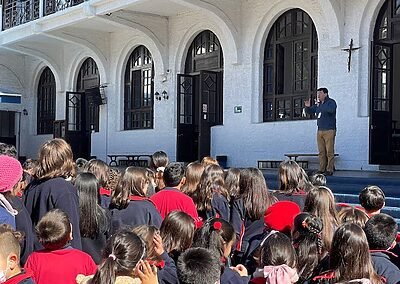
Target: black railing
(52, 6)
(17, 12)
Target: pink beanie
(10, 173)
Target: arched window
(139, 90)
(88, 78)
(290, 66)
(46, 103)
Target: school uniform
(41, 196)
(298, 197)
(105, 197)
(229, 276)
(171, 199)
(6, 217)
(23, 223)
(384, 267)
(140, 211)
(219, 208)
(25, 277)
(167, 271)
(59, 266)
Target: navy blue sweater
(138, 212)
(326, 114)
(384, 267)
(219, 208)
(167, 274)
(230, 276)
(41, 196)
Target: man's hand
(307, 103)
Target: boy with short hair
(58, 262)
(198, 266)
(381, 232)
(10, 250)
(372, 199)
(171, 198)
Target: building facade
(194, 77)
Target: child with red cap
(10, 175)
(280, 216)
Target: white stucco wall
(242, 30)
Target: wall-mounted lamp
(24, 111)
(157, 96)
(165, 95)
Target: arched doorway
(82, 113)
(385, 91)
(200, 98)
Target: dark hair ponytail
(308, 243)
(214, 234)
(121, 255)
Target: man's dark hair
(8, 150)
(381, 231)
(372, 198)
(173, 174)
(324, 90)
(198, 266)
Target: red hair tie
(198, 222)
(217, 226)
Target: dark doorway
(82, 110)
(7, 127)
(200, 98)
(385, 96)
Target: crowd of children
(63, 221)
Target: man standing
(325, 110)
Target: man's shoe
(328, 173)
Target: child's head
(232, 179)
(353, 215)
(193, 174)
(158, 159)
(198, 266)
(122, 253)
(372, 198)
(277, 249)
(174, 175)
(349, 256)
(9, 251)
(113, 178)
(177, 230)
(254, 192)
(290, 177)
(216, 235)
(134, 181)
(321, 203)
(54, 230)
(8, 150)
(147, 234)
(55, 160)
(207, 161)
(381, 231)
(211, 182)
(307, 242)
(151, 189)
(99, 169)
(318, 180)
(280, 216)
(10, 173)
(30, 166)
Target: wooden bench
(294, 156)
(137, 160)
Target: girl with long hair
(177, 230)
(101, 171)
(293, 183)
(277, 263)
(307, 242)
(248, 209)
(129, 204)
(124, 261)
(321, 203)
(211, 197)
(349, 258)
(218, 236)
(157, 255)
(193, 175)
(52, 188)
(232, 178)
(94, 220)
(159, 160)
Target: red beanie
(280, 216)
(10, 173)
